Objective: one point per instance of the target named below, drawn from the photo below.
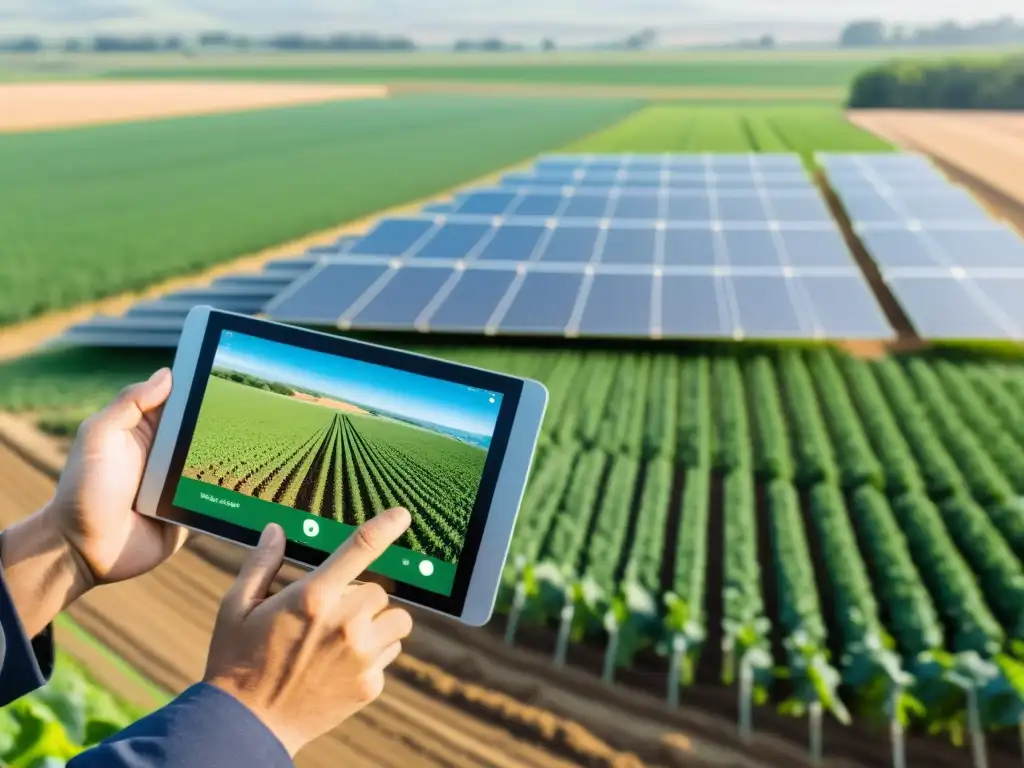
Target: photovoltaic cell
(325, 293)
(809, 248)
(514, 242)
(453, 241)
(393, 237)
(618, 305)
(628, 246)
(766, 308)
(690, 247)
(845, 307)
(402, 299)
(751, 248)
(945, 308)
(543, 304)
(1005, 298)
(472, 301)
(572, 244)
(690, 308)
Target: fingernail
(159, 375)
(270, 535)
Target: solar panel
(599, 241)
(723, 162)
(566, 299)
(942, 306)
(542, 180)
(951, 266)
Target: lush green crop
(55, 723)
(815, 461)
(768, 422)
(98, 211)
(619, 531)
(683, 128)
(914, 622)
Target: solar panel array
(157, 323)
(957, 272)
(719, 246)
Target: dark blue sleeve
(203, 728)
(24, 664)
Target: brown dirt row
(160, 624)
(46, 106)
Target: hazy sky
(409, 394)
(444, 19)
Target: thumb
(257, 574)
(134, 402)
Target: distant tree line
(253, 381)
(870, 33)
(997, 84)
(105, 43)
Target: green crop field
(793, 505)
(773, 72)
(97, 211)
(346, 466)
(684, 128)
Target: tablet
(272, 423)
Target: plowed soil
(45, 106)
(160, 625)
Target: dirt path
(160, 624)
(989, 147)
(46, 106)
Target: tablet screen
(319, 443)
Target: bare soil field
(327, 402)
(986, 146)
(45, 106)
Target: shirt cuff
(25, 664)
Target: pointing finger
(365, 545)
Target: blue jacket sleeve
(24, 664)
(203, 728)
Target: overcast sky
(438, 20)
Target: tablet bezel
(502, 484)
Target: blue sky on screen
(419, 397)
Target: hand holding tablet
(269, 423)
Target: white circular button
(426, 567)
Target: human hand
(93, 508)
(314, 654)
(89, 533)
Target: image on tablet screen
(319, 443)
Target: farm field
(683, 128)
(729, 479)
(708, 515)
(46, 106)
(98, 211)
(344, 466)
(988, 146)
(216, 196)
(751, 73)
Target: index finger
(365, 545)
